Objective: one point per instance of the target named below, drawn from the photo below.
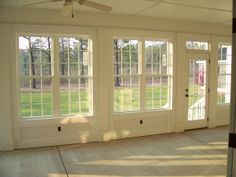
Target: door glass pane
(197, 89)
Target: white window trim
(55, 75)
(228, 44)
(142, 108)
(39, 30)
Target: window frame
(55, 71)
(226, 44)
(169, 74)
(170, 51)
(130, 75)
(32, 77)
(200, 41)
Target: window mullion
(130, 79)
(69, 76)
(90, 75)
(30, 80)
(55, 77)
(122, 74)
(142, 67)
(79, 78)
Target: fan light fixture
(67, 8)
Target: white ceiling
(211, 11)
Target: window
(142, 71)
(126, 75)
(35, 76)
(75, 76)
(197, 45)
(224, 73)
(158, 68)
(52, 86)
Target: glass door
(196, 92)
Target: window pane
(157, 92)
(126, 96)
(35, 90)
(224, 73)
(158, 70)
(126, 75)
(76, 76)
(197, 45)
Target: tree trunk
(117, 79)
(62, 57)
(81, 58)
(49, 54)
(33, 84)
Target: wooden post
(231, 164)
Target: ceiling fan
(67, 7)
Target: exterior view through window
(142, 75)
(224, 73)
(75, 76)
(158, 75)
(52, 86)
(197, 45)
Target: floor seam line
(202, 141)
(63, 164)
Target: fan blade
(95, 5)
(39, 2)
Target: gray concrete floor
(196, 153)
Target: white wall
(6, 124)
(104, 125)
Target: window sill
(135, 114)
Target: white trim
(203, 122)
(142, 76)
(55, 78)
(53, 31)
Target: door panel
(197, 92)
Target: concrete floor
(196, 153)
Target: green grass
(127, 99)
(194, 94)
(37, 107)
(41, 104)
(156, 98)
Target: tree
(117, 79)
(33, 84)
(62, 56)
(35, 46)
(83, 45)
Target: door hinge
(209, 90)
(207, 118)
(209, 61)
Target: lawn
(37, 104)
(128, 99)
(195, 93)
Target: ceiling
(210, 11)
